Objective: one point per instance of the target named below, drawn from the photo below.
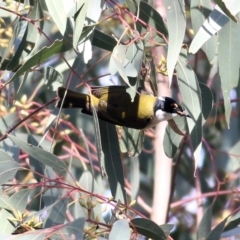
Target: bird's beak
(187, 115)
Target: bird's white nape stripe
(161, 98)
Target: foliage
(65, 175)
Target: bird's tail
(72, 99)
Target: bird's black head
(169, 105)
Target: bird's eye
(174, 105)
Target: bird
(113, 104)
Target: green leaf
(79, 22)
(100, 153)
(52, 78)
(86, 32)
(207, 101)
(21, 51)
(20, 199)
(229, 63)
(131, 141)
(57, 214)
(8, 167)
(224, 7)
(190, 92)
(134, 53)
(121, 65)
(59, 46)
(215, 234)
(152, 17)
(8, 121)
(148, 228)
(103, 40)
(211, 25)
(134, 177)
(27, 37)
(5, 203)
(176, 21)
(205, 224)
(199, 13)
(120, 230)
(73, 230)
(233, 222)
(112, 160)
(58, 13)
(36, 166)
(133, 5)
(172, 140)
(5, 62)
(41, 155)
(167, 228)
(6, 226)
(31, 235)
(87, 181)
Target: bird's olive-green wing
(110, 93)
(124, 112)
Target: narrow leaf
(120, 230)
(151, 16)
(229, 63)
(134, 177)
(58, 13)
(8, 167)
(211, 25)
(103, 40)
(176, 26)
(41, 155)
(172, 140)
(190, 92)
(205, 224)
(79, 22)
(130, 141)
(112, 160)
(207, 101)
(148, 228)
(53, 79)
(20, 199)
(58, 46)
(57, 214)
(199, 13)
(215, 234)
(229, 8)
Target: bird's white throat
(161, 116)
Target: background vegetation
(66, 175)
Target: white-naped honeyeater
(113, 104)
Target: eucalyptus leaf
(112, 160)
(131, 141)
(41, 155)
(104, 41)
(190, 91)
(215, 233)
(8, 167)
(79, 22)
(57, 11)
(148, 228)
(198, 16)
(216, 20)
(205, 224)
(53, 79)
(176, 21)
(228, 63)
(120, 230)
(57, 214)
(59, 46)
